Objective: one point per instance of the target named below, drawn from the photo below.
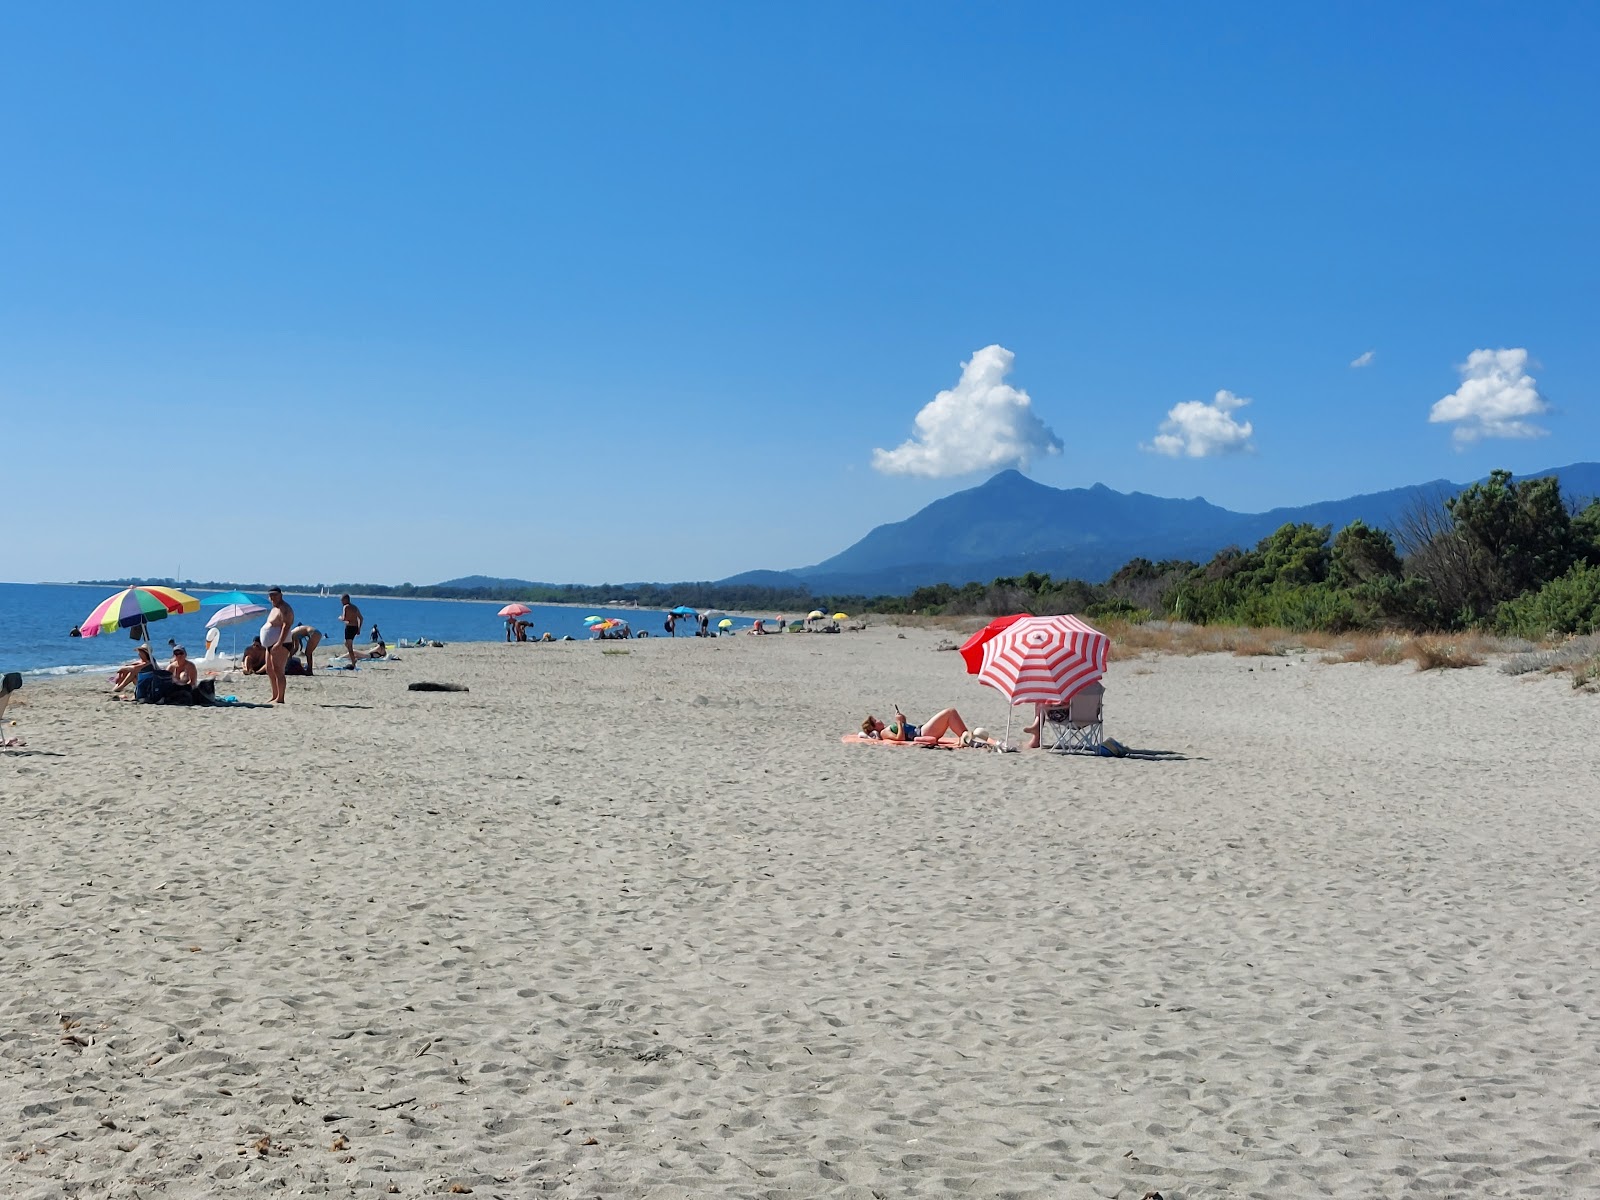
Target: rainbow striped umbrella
(137, 606)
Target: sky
(601, 293)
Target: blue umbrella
(225, 598)
(683, 610)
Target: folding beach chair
(1079, 725)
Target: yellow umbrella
(841, 616)
(725, 623)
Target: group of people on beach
(281, 648)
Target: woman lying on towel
(946, 720)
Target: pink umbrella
(514, 610)
(1043, 660)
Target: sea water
(35, 619)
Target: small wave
(75, 670)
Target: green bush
(1118, 610)
(1570, 604)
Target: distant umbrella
(725, 623)
(514, 610)
(683, 610)
(816, 614)
(841, 616)
(593, 620)
(222, 599)
(235, 614)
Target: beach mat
(856, 739)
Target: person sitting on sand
(183, 671)
(130, 672)
(946, 720)
(255, 658)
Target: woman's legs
(946, 720)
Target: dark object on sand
(436, 687)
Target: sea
(35, 619)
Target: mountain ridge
(1010, 524)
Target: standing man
(275, 637)
(351, 616)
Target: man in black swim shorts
(351, 616)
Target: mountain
(489, 582)
(1011, 524)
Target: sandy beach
(637, 924)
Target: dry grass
(1178, 637)
(1443, 653)
(1586, 674)
(1430, 652)
(1565, 654)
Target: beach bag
(152, 686)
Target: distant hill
(1011, 524)
(469, 583)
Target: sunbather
(182, 670)
(946, 720)
(129, 673)
(255, 658)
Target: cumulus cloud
(979, 425)
(1495, 398)
(1199, 430)
(1364, 359)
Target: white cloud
(980, 424)
(1364, 359)
(1495, 398)
(1200, 430)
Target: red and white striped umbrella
(1044, 660)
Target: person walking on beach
(275, 637)
(351, 616)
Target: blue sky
(394, 292)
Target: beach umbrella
(223, 599)
(841, 616)
(972, 648)
(683, 610)
(816, 614)
(514, 610)
(725, 623)
(135, 608)
(593, 620)
(1043, 660)
(235, 614)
